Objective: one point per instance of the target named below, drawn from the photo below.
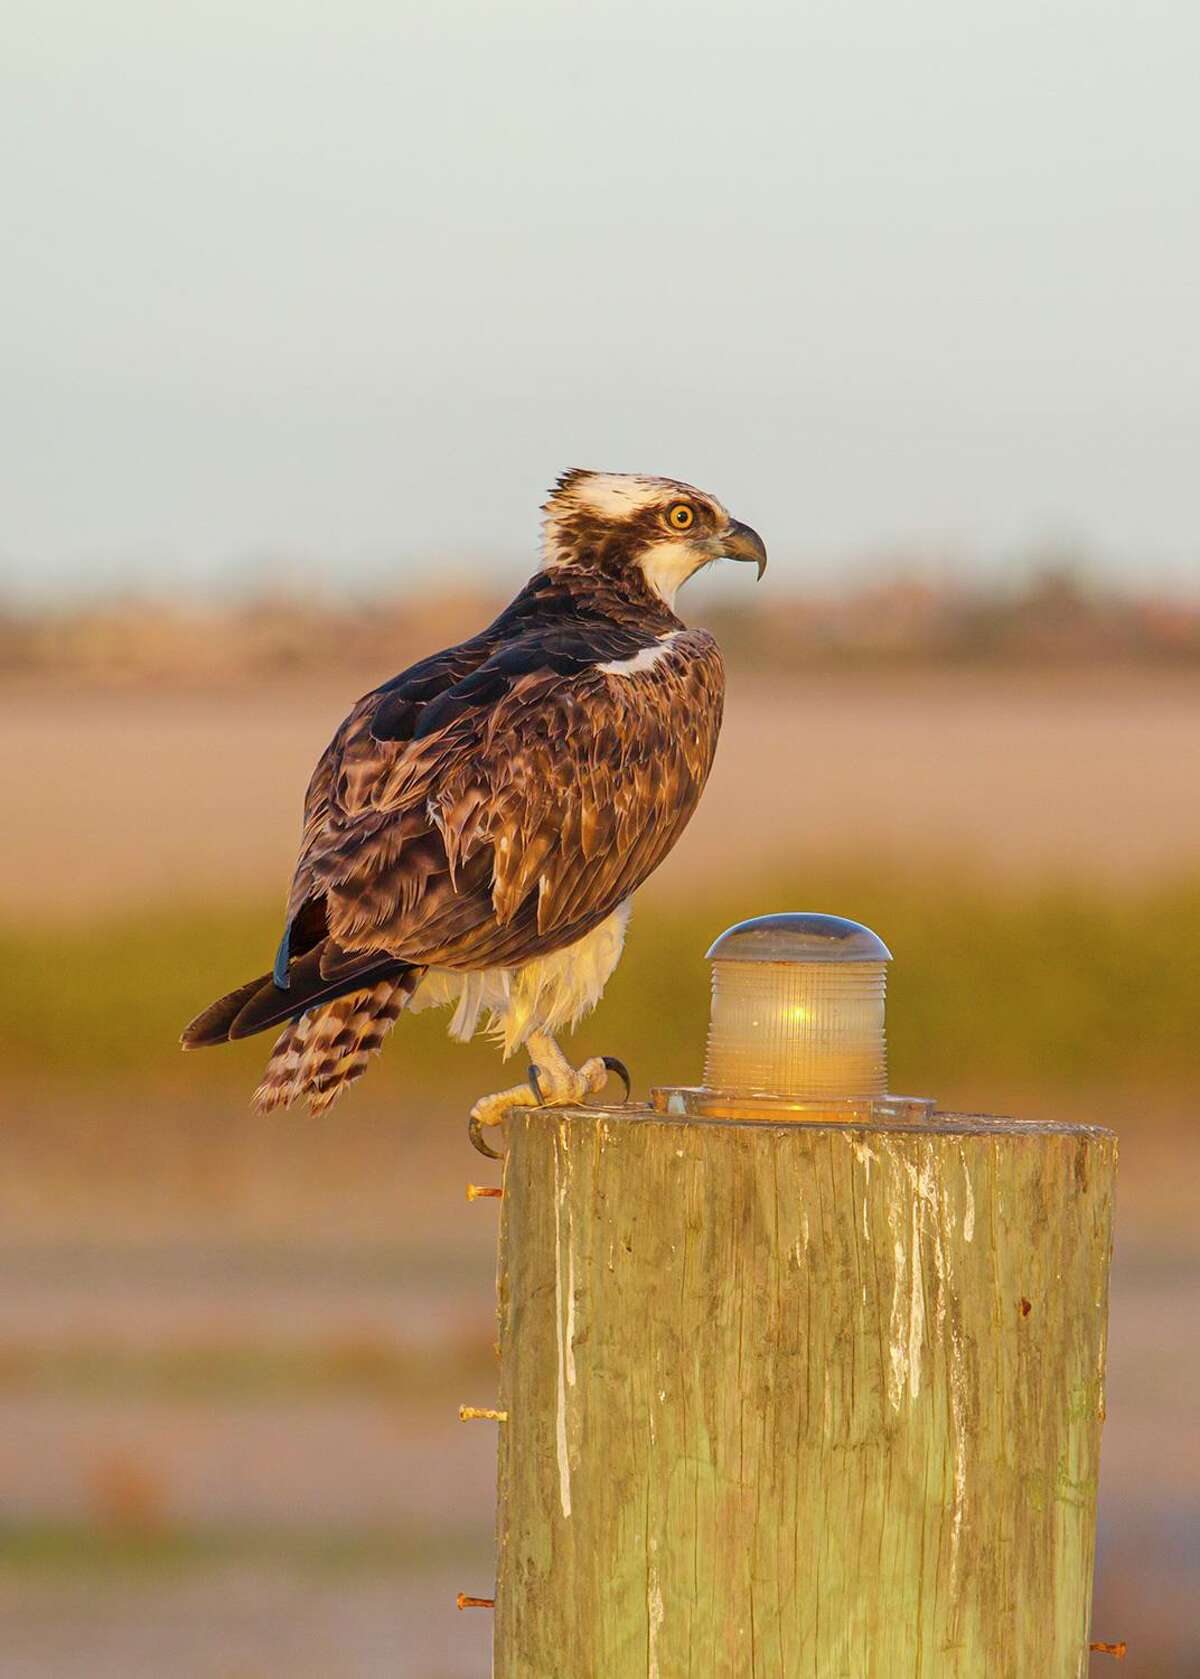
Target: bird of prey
(476, 829)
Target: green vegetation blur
(991, 988)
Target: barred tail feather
(323, 1052)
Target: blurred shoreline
(1057, 617)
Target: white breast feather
(548, 994)
(644, 659)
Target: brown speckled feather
(521, 823)
(504, 800)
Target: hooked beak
(739, 542)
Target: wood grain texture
(811, 1400)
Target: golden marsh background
(232, 1347)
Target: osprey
(476, 829)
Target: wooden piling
(811, 1400)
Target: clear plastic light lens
(798, 1009)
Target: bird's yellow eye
(680, 516)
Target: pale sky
(350, 283)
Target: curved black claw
(622, 1072)
(475, 1133)
(535, 1084)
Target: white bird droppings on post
(570, 1345)
(655, 1613)
(919, 1199)
(560, 1422)
(916, 1308)
(864, 1154)
(959, 1419)
(898, 1346)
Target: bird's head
(651, 532)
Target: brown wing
(364, 748)
(533, 798)
(491, 804)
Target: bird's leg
(557, 1083)
(490, 1110)
(553, 1083)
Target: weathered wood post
(797, 1395)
